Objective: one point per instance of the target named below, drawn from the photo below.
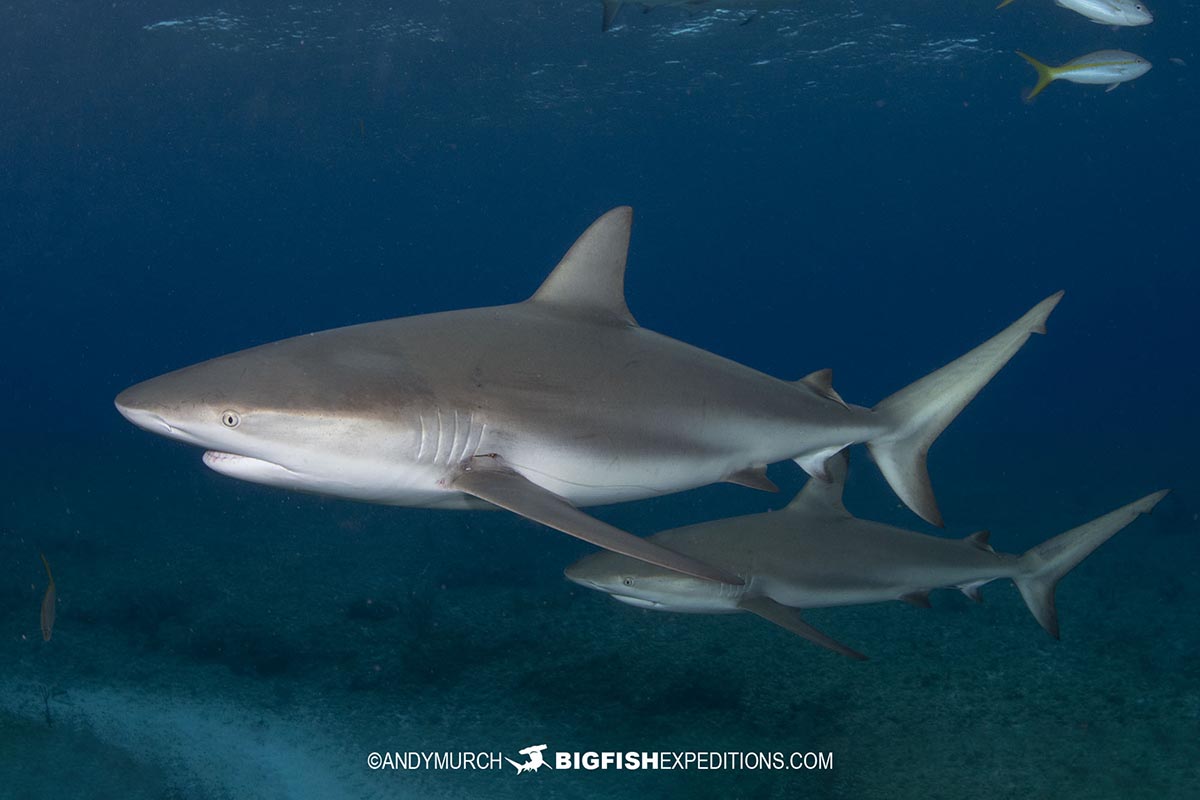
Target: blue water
(846, 185)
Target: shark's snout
(135, 406)
(151, 408)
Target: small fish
(48, 602)
(1122, 13)
(1179, 62)
(1111, 67)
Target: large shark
(542, 406)
(613, 7)
(814, 554)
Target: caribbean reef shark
(814, 554)
(542, 406)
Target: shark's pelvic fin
(753, 478)
(918, 413)
(1040, 569)
(824, 497)
(591, 276)
(489, 480)
(790, 619)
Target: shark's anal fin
(817, 464)
(488, 479)
(971, 590)
(920, 599)
(753, 478)
(790, 619)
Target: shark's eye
(627, 581)
(230, 419)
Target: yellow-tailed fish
(48, 602)
(1111, 67)
(1126, 13)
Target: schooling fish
(815, 554)
(48, 602)
(1125, 13)
(1112, 67)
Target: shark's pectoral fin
(790, 619)
(753, 478)
(489, 480)
(1112, 86)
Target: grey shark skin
(814, 554)
(541, 406)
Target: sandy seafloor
(221, 640)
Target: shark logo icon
(535, 762)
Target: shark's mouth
(637, 601)
(249, 469)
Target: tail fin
(1045, 75)
(611, 8)
(918, 413)
(1040, 569)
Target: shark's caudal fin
(1045, 76)
(918, 413)
(591, 276)
(1040, 569)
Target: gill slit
(437, 454)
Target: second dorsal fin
(979, 540)
(821, 382)
(591, 276)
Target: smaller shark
(815, 554)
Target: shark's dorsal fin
(824, 495)
(821, 382)
(979, 540)
(591, 276)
